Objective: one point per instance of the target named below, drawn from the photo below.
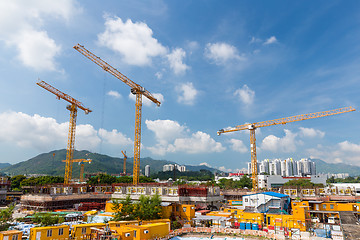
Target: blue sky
(212, 65)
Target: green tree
(148, 207)
(47, 219)
(124, 209)
(302, 183)
(108, 179)
(5, 217)
(330, 180)
(244, 181)
(16, 181)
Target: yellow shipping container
(150, 231)
(52, 232)
(11, 235)
(80, 231)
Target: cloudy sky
(212, 66)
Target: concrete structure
(233, 176)
(147, 170)
(4, 187)
(197, 195)
(45, 202)
(262, 202)
(274, 181)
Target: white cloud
(245, 94)
(146, 101)
(44, 134)
(311, 132)
(255, 40)
(222, 168)
(165, 130)
(349, 147)
(159, 75)
(187, 92)
(134, 41)
(270, 40)
(21, 26)
(37, 50)
(238, 145)
(285, 144)
(175, 59)
(114, 137)
(205, 164)
(199, 142)
(343, 152)
(192, 45)
(221, 53)
(114, 94)
(173, 137)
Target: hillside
(46, 163)
(324, 167)
(4, 165)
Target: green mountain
(4, 165)
(324, 167)
(50, 164)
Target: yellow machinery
(72, 124)
(81, 162)
(125, 157)
(253, 126)
(136, 89)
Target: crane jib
(113, 71)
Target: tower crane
(137, 90)
(81, 162)
(253, 126)
(74, 104)
(125, 157)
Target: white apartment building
(286, 168)
(147, 170)
(171, 167)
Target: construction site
(287, 212)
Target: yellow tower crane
(136, 89)
(125, 157)
(72, 124)
(253, 126)
(81, 162)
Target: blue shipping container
(255, 226)
(248, 226)
(242, 226)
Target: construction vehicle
(81, 163)
(74, 104)
(137, 90)
(125, 157)
(252, 126)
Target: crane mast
(137, 90)
(74, 104)
(252, 126)
(125, 157)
